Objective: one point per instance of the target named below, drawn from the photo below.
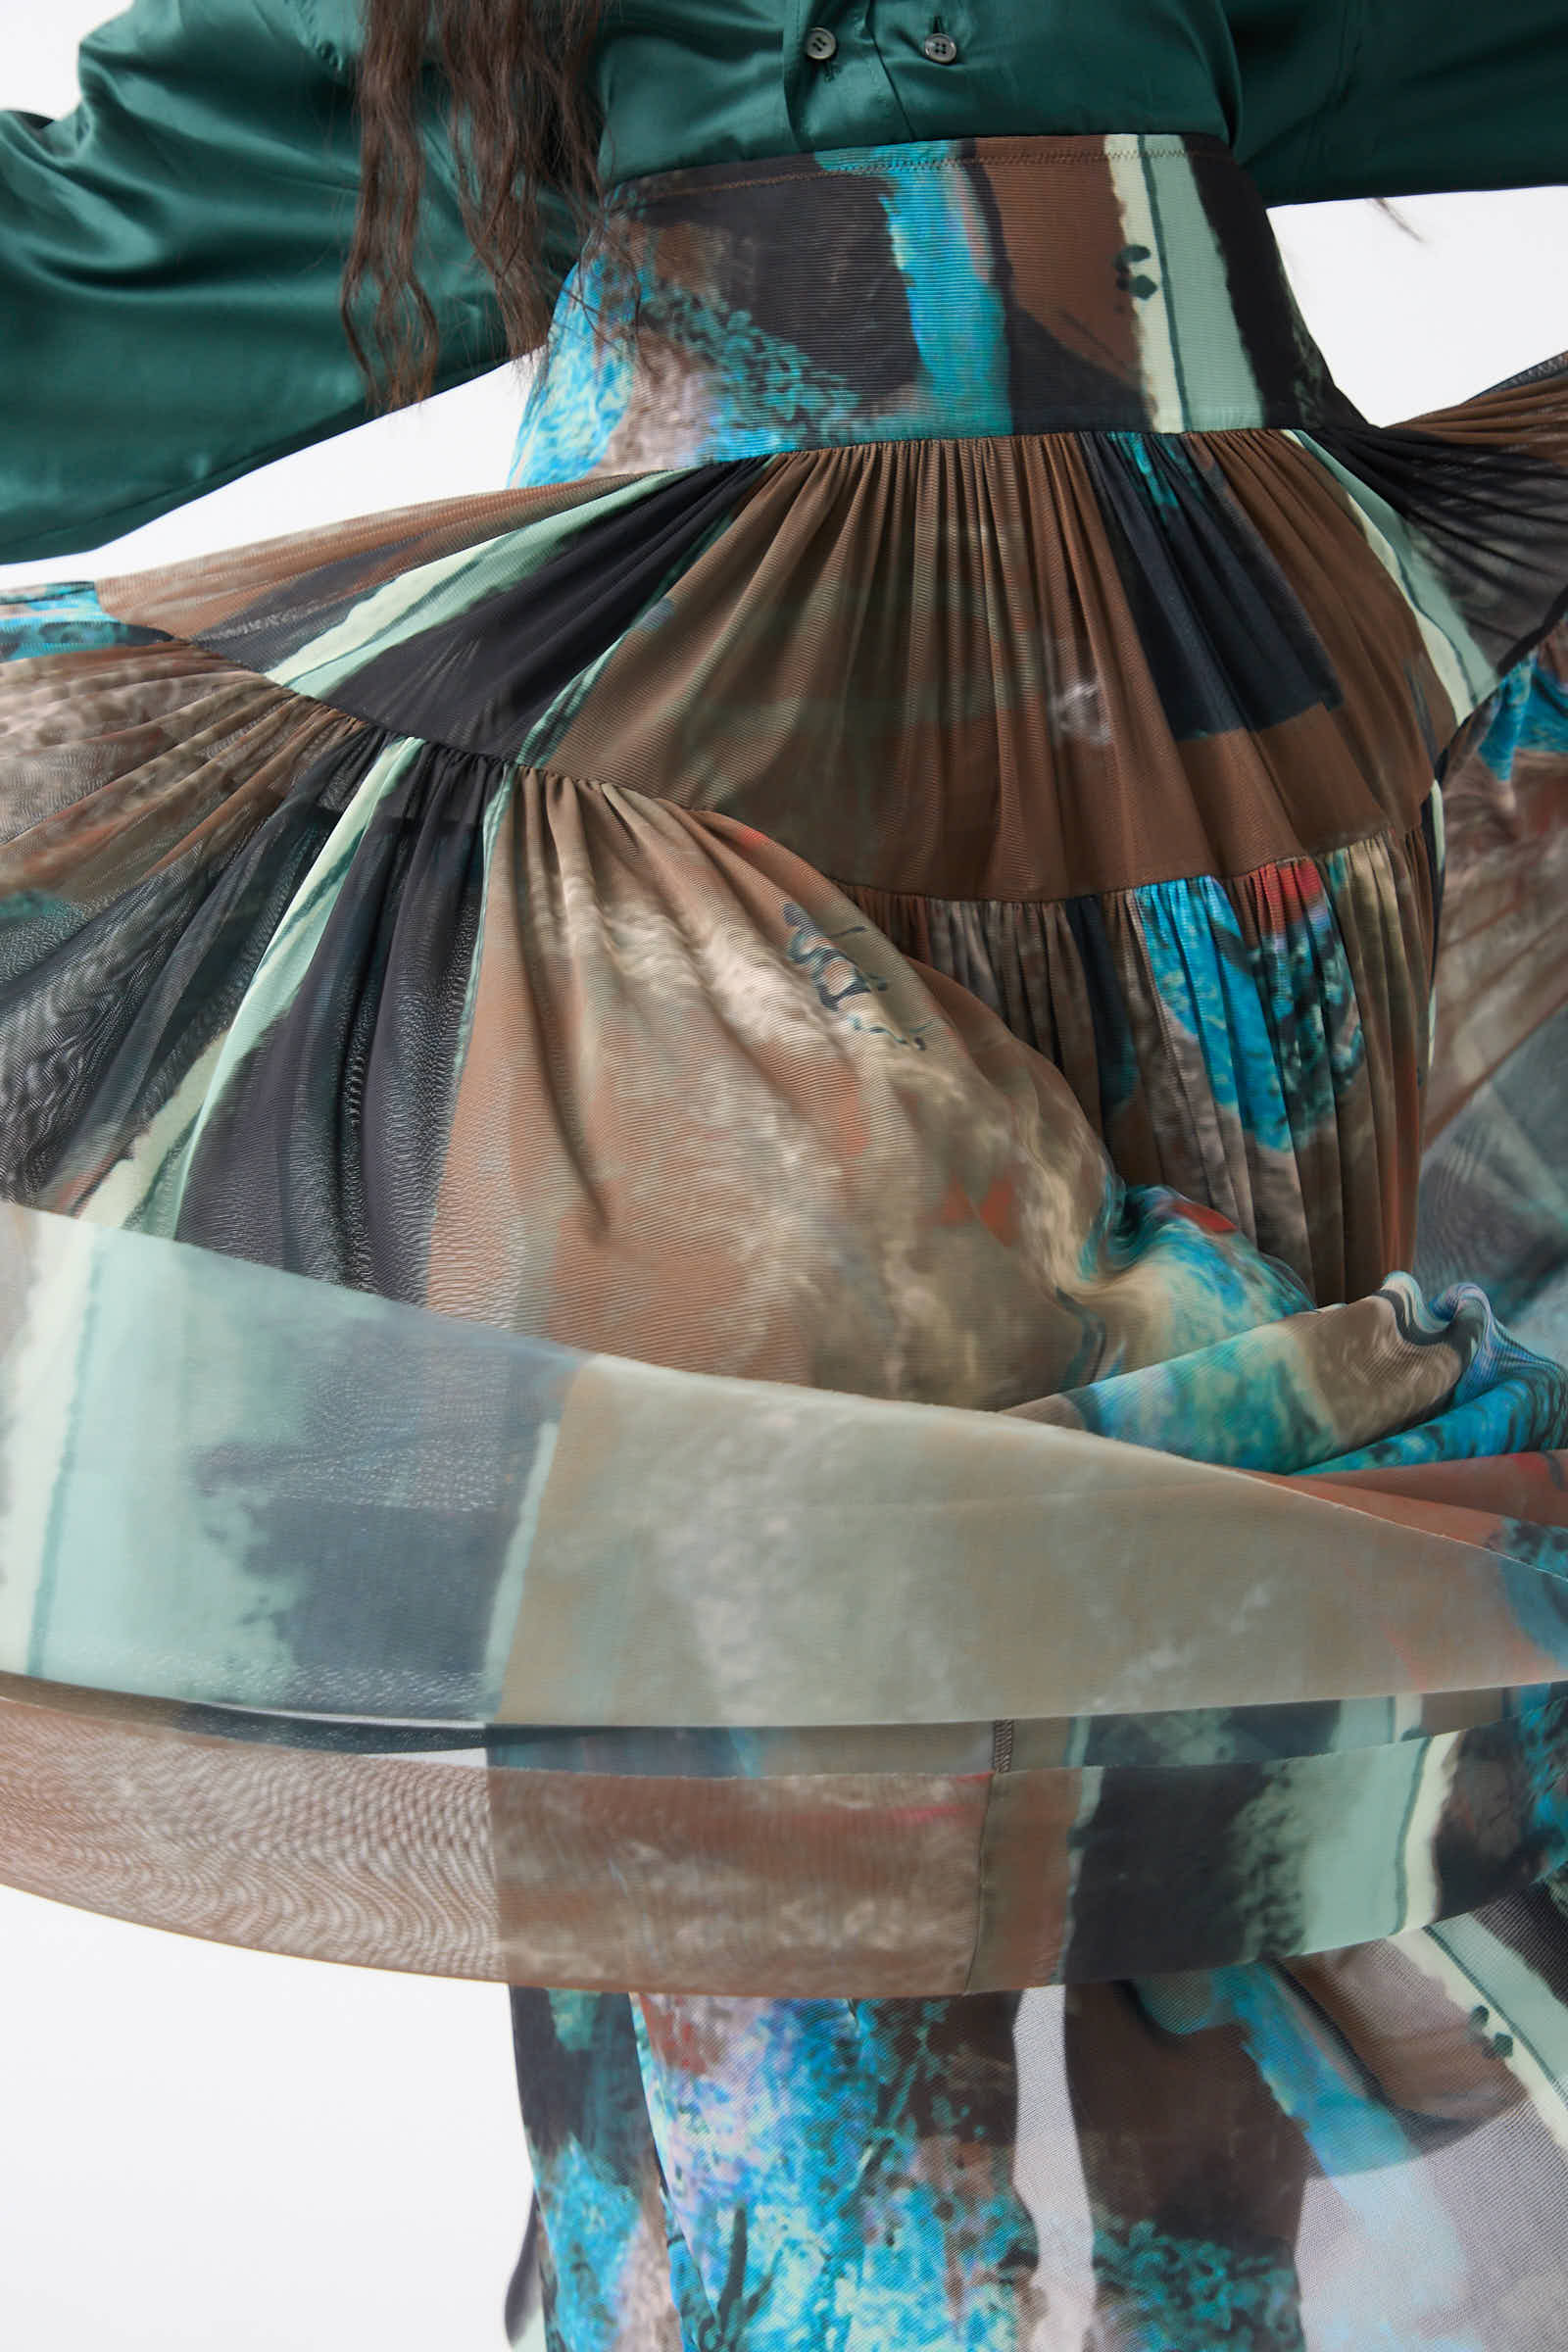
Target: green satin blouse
(170, 251)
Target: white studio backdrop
(216, 2151)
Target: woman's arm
(170, 258)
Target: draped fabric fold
(667, 1565)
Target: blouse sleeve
(1403, 97)
(169, 263)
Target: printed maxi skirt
(712, 1277)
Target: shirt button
(941, 48)
(820, 44)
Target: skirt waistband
(936, 290)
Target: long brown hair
(520, 116)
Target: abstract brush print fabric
(716, 1299)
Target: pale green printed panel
(228, 1484)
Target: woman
(861, 933)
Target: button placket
(838, 91)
